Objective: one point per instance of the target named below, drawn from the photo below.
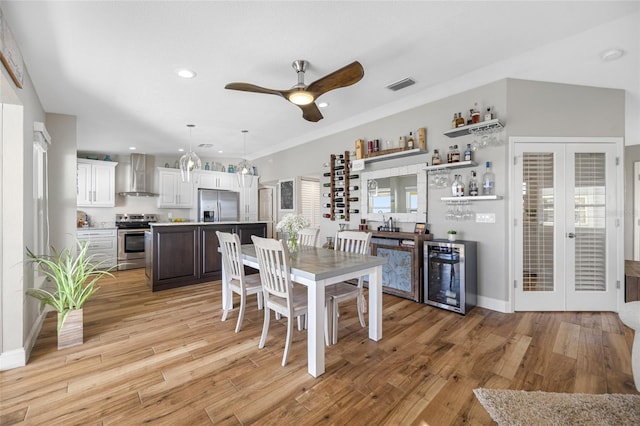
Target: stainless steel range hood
(138, 185)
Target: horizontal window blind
(310, 201)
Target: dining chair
(280, 295)
(308, 237)
(239, 283)
(354, 242)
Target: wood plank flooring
(166, 358)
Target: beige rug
(510, 407)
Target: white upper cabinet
(173, 192)
(96, 183)
(207, 179)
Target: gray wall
(528, 108)
(631, 155)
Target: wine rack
(339, 177)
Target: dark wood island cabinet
(184, 254)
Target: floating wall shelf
(474, 128)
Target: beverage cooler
(450, 275)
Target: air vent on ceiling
(401, 84)
(205, 145)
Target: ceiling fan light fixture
(186, 73)
(301, 97)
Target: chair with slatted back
(239, 283)
(280, 295)
(354, 242)
(308, 237)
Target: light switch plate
(485, 218)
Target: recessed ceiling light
(180, 149)
(611, 54)
(132, 148)
(185, 73)
(323, 104)
(220, 151)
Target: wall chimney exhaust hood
(138, 178)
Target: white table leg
(375, 303)
(315, 332)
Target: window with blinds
(538, 221)
(310, 201)
(590, 221)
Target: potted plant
(74, 280)
(452, 235)
(291, 224)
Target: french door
(565, 200)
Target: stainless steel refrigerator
(217, 205)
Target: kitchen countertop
(232, 222)
(93, 228)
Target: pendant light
(245, 170)
(189, 161)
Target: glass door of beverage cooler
(449, 283)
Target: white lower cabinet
(173, 192)
(103, 245)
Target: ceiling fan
(304, 95)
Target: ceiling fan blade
(345, 76)
(246, 87)
(310, 112)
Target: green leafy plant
(74, 279)
(452, 232)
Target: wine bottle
(327, 184)
(338, 189)
(327, 215)
(353, 198)
(354, 176)
(328, 205)
(340, 205)
(354, 211)
(327, 174)
(339, 200)
(354, 188)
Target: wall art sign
(10, 53)
(287, 195)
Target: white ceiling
(112, 64)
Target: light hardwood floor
(166, 358)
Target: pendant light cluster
(245, 169)
(189, 161)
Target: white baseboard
(18, 357)
(12, 359)
(494, 304)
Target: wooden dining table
(317, 268)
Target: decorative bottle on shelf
(473, 185)
(410, 141)
(436, 160)
(457, 188)
(488, 181)
(450, 154)
(207, 166)
(488, 115)
(467, 153)
(402, 143)
(455, 155)
(454, 122)
(460, 120)
(475, 114)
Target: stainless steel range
(131, 229)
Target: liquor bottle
(353, 199)
(467, 153)
(469, 120)
(457, 187)
(436, 160)
(488, 181)
(455, 155)
(402, 143)
(410, 141)
(488, 115)
(475, 114)
(473, 184)
(454, 122)
(460, 120)
(450, 154)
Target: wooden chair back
(273, 259)
(308, 237)
(352, 241)
(231, 257)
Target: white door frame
(513, 196)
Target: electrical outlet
(485, 218)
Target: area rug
(511, 407)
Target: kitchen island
(180, 254)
